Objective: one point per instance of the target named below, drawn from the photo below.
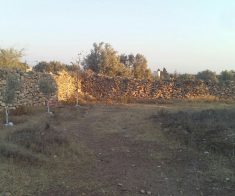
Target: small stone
(120, 184)
(149, 193)
(142, 191)
(227, 179)
(11, 124)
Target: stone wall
(28, 93)
(102, 88)
(105, 88)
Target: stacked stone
(102, 87)
(107, 88)
(28, 93)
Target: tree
(9, 92)
(48, 87)
(207, 75)
(127, 60)
(76, 67)
(11, 59)
(93, 60)
(104, 59)
(140, 68)
(165, 74)
(227, 76)
(185, 77)
(50, 67)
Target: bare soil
(128, 152)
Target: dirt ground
(129, 154)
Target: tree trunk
(77, 98)
(7, 115)
(48, 106)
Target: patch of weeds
(211, 130)
(18, 154)
(38, 137)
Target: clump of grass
(18, 154)
(206, 99)
(39, 137)
(24, 110)
(209, 134)
(211, 130)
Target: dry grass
(39, 152)
(210, 134)
(207, 99)
(48, 155)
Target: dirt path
(132, 157)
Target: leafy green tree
(11, 59)
(127, 60)
(104, 59)
(9, 92)
(137, 66)
(185, 76)
(93, 60)
(207, 75)
(140, 68)
(48, 87)
(50, 67)
(165, 75)
(227, 75)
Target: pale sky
(181, 35)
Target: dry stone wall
(106, 88)
(102, 88)
(28, 93)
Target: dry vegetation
(163, 149)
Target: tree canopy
(48, 87)
(11, 59)
(207, 75)
(52, 66)
(105, 60)
(12, 84)
(227, 75)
